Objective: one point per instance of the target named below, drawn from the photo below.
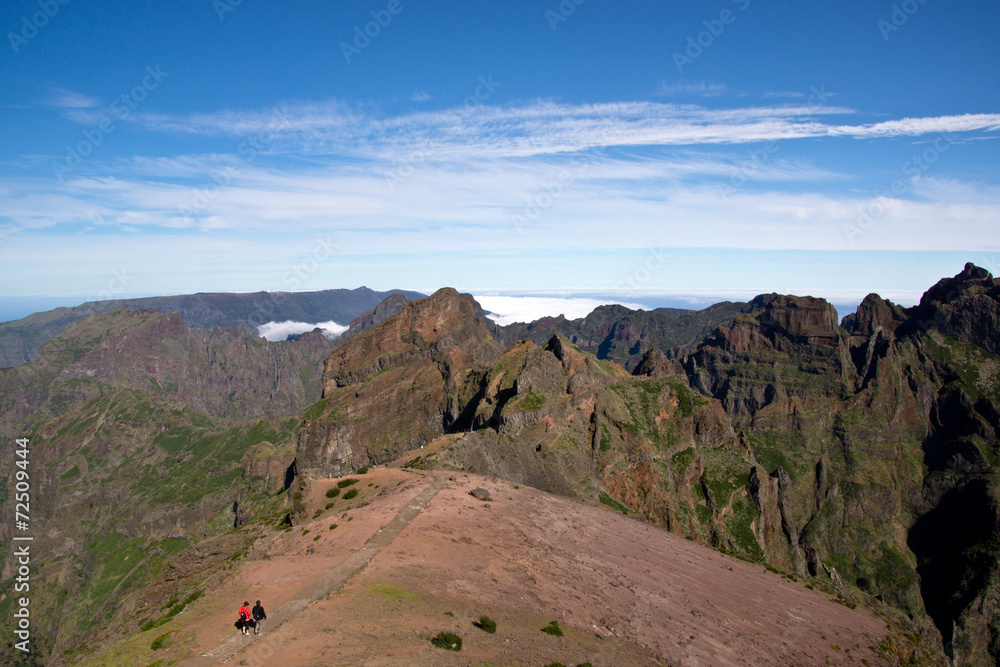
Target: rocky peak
(444, 321)
(399, 384)
(803, 318)
(774, 319)
(873, 314)
(656, 364)
(965, 307)
(971, 280)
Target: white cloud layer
(273, 331)
(506, 310)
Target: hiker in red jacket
(245, 618)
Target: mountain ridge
(20, 339)
(858, 455)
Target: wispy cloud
(543, 128)
(648, 171)
(420, 96)
(61, 98)
(506, 310)
(915, 127)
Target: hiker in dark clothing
(258, 617)
(245, 620)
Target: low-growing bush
(333, 493)
(553, 629)
(363, 470)
(344, 483)
(486, 624)
(161, 641)
(448, 641)
(154, 623)
(353, 493)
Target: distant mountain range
(20, 339)
(609, 332)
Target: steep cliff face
(888, 435)
(402, 383)
(785, 347)
(861, 457)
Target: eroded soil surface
(624, 592)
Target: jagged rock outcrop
(874, 314)
(656, 364)
(400, 384)
(785, 347)
(965, 308)
(873, 330)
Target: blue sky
(655, 153)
